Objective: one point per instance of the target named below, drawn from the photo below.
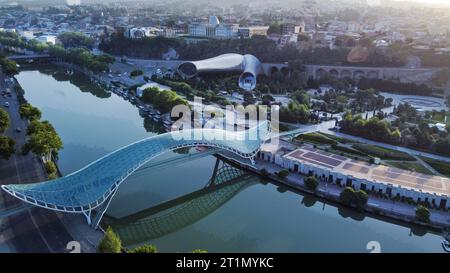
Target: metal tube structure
(248, 65)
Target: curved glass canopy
(88, 188)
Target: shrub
(199, 251)
(144, 249)
(136, 73)
(110, 243)
(52, 176)
(4, 120)
(50, 168)
(6, 147)
(264, 173)
(311, 183)
(283, 173)
(422, 214)
(350, 197)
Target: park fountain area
(422, 102)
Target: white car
(6, 104)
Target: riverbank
(31, 230)
(36, 230)
(18, 90)
(260, 218)
(387, 209)
(377, 206)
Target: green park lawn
(440, 166)
(316, 138)
(338, 139)
(383, 153)
(410, 166)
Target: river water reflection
(177, 207)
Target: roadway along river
(243, 217)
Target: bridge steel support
(91, 189)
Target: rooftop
(372, 172)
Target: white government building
(214, 29)
(359, 174)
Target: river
(172, 206)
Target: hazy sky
(71, 2)
(430, 1)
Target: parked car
(6, 104)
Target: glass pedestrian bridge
(173, 215)
(90, 189)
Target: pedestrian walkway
(389, 146)
(426, 165)
(331, 191)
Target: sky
(72, 2)
(431, 1)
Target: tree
(29, 112)
(136, 73)
(164, 100)
(303, 38)
(110, 242)
(265, 49)
(264, 173)
(4, 120)
(442, 77)
(312, 183)
(422, 214)
(144, 249)
(82, 57)
(149, 94)
(361, 198)
(51, 169)
(6, 147)
(199, 251)
(301, 97)
(442, 146)
(43, 139)
(274, 28)
(76, 39)
(295, 113)
(248, 98)
(350, 197)
(347, 196)
(283, 173)
(8, 67)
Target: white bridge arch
(92, 187)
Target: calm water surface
(172, 207)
